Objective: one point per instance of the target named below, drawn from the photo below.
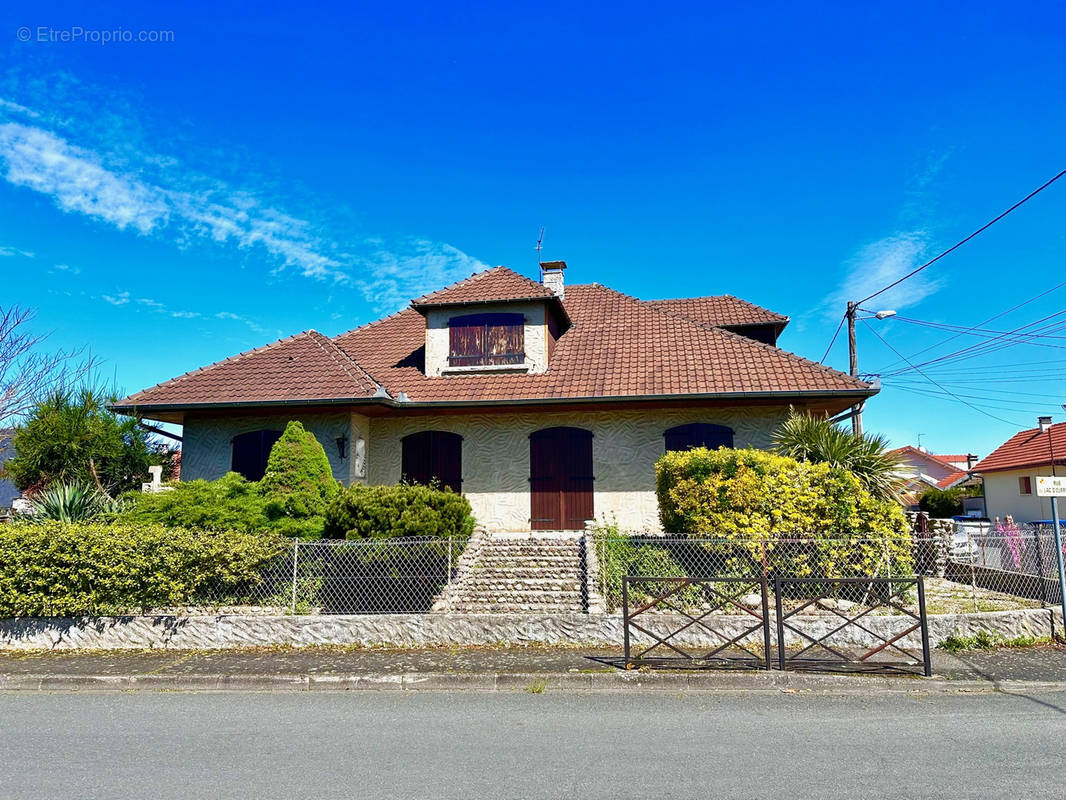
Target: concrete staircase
(518, 574)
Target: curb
(532, 682)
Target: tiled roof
(950, 480)
(944, 461)
(1028, 448)
(723, 309)
(307, 366)
(618, 346)
(492, 285)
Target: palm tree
(817, 440)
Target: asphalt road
(524, 745)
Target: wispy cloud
(14, 251)
(112, 181)
(117, 299)
(878, 264)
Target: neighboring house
(546, 405)
(1010, 472)
(8, 492)
(923, 470)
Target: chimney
(1044, 423)
(551, 276)
(971, 459)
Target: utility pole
(856, 414)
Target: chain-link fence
(968, 567)
(374, 576)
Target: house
(1010, 471)
(923, 470)
(547, 405)
(8, 492)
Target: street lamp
(853, 358)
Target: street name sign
(1050, 487)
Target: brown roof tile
(492, 285)
(307, 366)
(617, 346)
(723, 309)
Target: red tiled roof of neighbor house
(723, 309)
(492, 285)
(307, 366)
(948, 480)
(945, 461)
(1030, 448)
(616, 347)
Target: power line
(989, 346)
(984, 322)
(952, 394)
(832, 341)
(959, 244)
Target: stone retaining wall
(227, 631)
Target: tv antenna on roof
(540, 243)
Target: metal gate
(819, 624)
(728, 647)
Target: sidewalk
(532, 669)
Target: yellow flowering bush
(771, 512)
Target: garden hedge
(72, 569)
(386, 512)
(753, 502)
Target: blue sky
(289, 167)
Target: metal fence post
(779, 608)
(625, 616)
(295, 554)
(973, 567)
(923, 620)
(1058, 556)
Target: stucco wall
(536, 338)
(625, 446)
(1002, 496)
(207, 452)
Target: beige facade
(206, 451)
(625, 446)
(1003, 495)
(495, 454)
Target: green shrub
(230, 503)
(750, 501)
(943, 503)
(385, 512)
(71, 436)
(298, 483)
(58, 569)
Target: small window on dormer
(478, 340)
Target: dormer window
(479, 340)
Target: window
(1025, 485)
(251, 451)
(478, 340)
(430, 456)
(698, 434)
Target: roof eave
(130, 409)
(421, 308)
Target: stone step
(524, 570)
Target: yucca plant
(70, 502)
(818, 440)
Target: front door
(560, 479)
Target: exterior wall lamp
(342, 445)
